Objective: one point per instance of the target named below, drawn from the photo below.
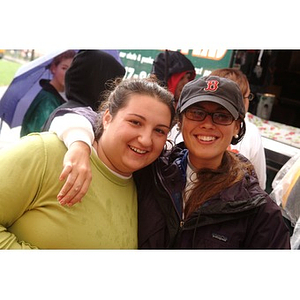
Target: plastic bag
(286, 193)
(283, 180)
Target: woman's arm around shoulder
(77, 133)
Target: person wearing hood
(51, 95)
(173, 70)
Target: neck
(212, 164)
(105, 160)
(59, 87)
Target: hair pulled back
(119, 92)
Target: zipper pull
(181, 224)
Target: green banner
(138, 63)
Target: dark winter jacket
(87, 79)
(241, 217)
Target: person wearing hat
(251, 145)
(204, 196)
(214, 192)
(173, 70)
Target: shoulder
(44, 140)
(269, 212)
(252, 129)
(33, 146)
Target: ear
(237, 127)
(107, 118)
(52, 69)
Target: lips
(136, 150)
(203, 138)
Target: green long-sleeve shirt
(31, 216)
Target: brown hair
(65, 55)
(211, 182)
(119, 92)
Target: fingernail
(61, 202)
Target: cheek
(187, 126)
(246, 105)
(160, 143)
(231, 132)
(157, 147)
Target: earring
(236, 136)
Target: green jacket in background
(42, 106)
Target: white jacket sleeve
(251, 147)
(71, 128)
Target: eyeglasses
(198, 114)
(250, 97)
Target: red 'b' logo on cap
(212, 85)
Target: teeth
(207, 138)
(138, 150)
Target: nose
(145, 138)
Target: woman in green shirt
(132, 129)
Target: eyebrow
(160, 125)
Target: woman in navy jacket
(216, 201)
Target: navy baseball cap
(213, 89)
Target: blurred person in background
(173, 70)
(86, 80)
(50, 97)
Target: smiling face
(135, 136)
(205, 140)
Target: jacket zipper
(181, 220)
